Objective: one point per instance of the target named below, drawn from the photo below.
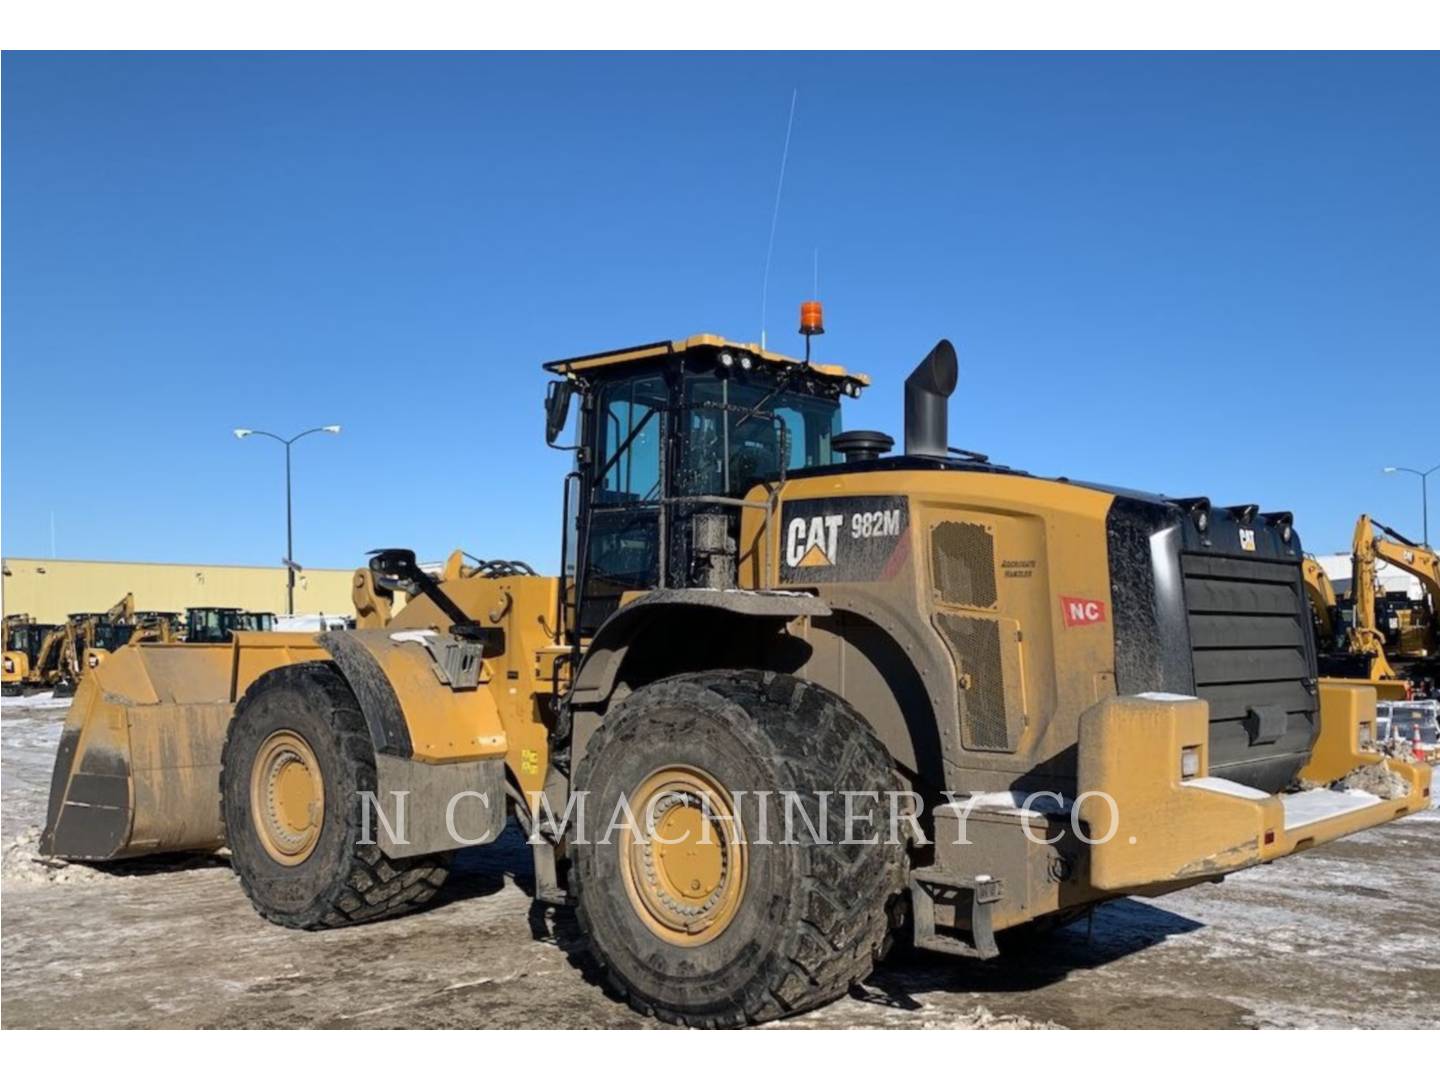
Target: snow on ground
(1341, 936)
(46, 699)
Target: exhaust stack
(927, 398)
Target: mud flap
(450, 806)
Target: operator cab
(217, 625)
(671, 438)
(27, 637)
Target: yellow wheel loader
(792, 694)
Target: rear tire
(309, 872)
(809, 919)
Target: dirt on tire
(815, 915)
(345, 880)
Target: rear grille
(1254, 663)
(962, 558)
(985, 717)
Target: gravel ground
(1342, 936)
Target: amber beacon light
(812, 318)
(812, 322)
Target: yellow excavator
(1414, 648)
(25, 639)
(1362, 651)
(67, 651)
(56, 665)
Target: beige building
(51, 589)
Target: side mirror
(557, 408)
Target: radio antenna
(775, 215)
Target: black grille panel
(962, 557)
(1253, 654)
(975, 645)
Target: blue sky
(1192, 274)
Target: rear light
(1189, 763)
(1269, 836)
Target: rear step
(977, 894)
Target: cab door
(621, 514)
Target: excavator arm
(1413, 559)
(1365, 637)
(122, 611)
(1321, 594)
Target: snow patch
(46, 699)
(23, 864)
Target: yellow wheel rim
(685, 870)
(287, 797)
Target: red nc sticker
(1080, 612)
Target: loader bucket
(138, 767)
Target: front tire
(297, 758)
(752, 927)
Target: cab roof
(661, 349)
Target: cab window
(739, 433)
(628, 436)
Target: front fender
(409, 707)
(438, 737)
(596, 677)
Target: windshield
(209, 624)
(734, 433)
(112, 635)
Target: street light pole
(1424, 493)
(244, 433)
(289, 541)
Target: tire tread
(817, 738)
(372, 884)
